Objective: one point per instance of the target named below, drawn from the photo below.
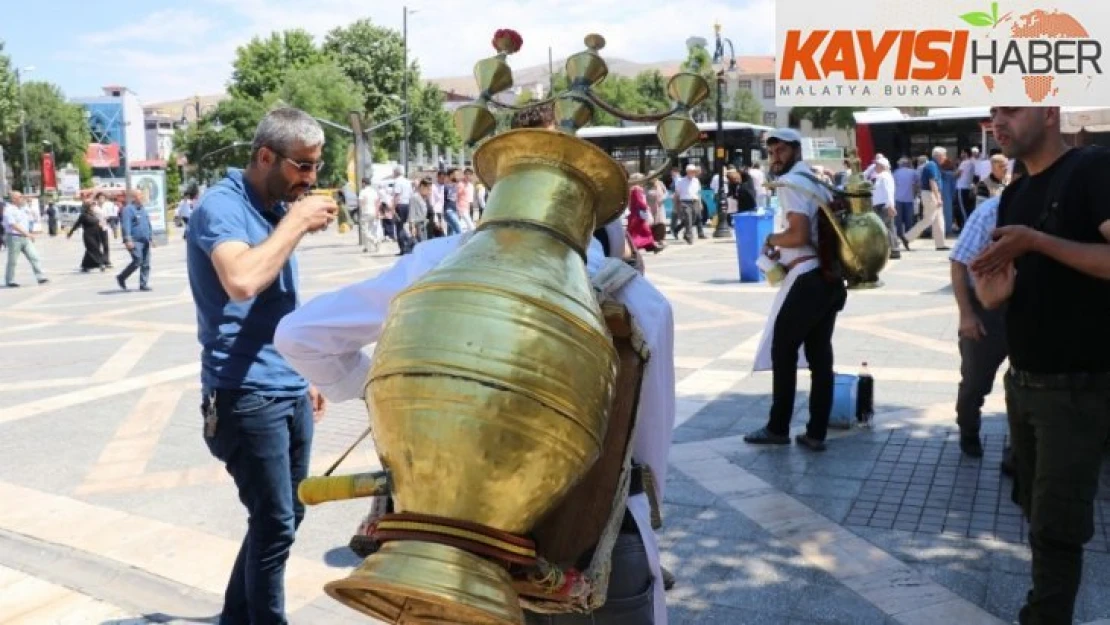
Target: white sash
(763, 354)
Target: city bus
(638, 149)
(894, 134)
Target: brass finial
(577, 106)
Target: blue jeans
(140, 259)
(451, 216)
(264, 442)
(905, 217)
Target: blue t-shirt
(931, 171)
(237, 338)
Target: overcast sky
(163, 50)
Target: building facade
(118, 131)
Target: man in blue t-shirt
(258, 412)
(932, 203)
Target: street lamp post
(405, 88)
(722, 231)
(23, 128)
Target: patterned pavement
(100, 429)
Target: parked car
(67, 211)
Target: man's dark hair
(425, 182)
(366, 181)
(468, 171)
(451, 171)
(539, 116)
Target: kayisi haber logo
(1047, 55)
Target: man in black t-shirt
(1050, 263)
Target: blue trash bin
(751, 229)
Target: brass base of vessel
(861, 286)
(419, 583)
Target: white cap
(882, 160)
(691, 167)
(788, 135)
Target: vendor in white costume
(323, 341)
(803, 315)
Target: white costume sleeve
(323, 339)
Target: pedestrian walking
(137, 238)
(20, 239)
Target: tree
(373, 58)
(50, 118)
(173, 181)
(326, 92)
(200, 141)
(84, 171)
(260, 65)
(9, 103)
(744, 108)
(699, 61)
(652, 87)
(823, 117)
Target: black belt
(1060, 381)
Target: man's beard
(777, 170)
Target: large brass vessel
(493, 375)
(863, 242)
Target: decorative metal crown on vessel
(576, 106)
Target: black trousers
(979, 363)
(1058, 427)
(806, 320)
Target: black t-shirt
(1058, 319)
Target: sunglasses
(304, 167)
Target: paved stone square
(114, 505)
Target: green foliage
(324, 91)
(823, 117)
(49, 118)
(373, 57)
(744, 107)
(173, 181)
(261, 64)
(9, 99)
(699, 61)
(200, 141)
(84, 171)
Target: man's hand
(130, 245)
(319, 404)
(891, 210)
(315, 212)
(1009, 243)
(993, 289)
(971, 327)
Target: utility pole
(405, 91)
(23, 133)
(550, 72)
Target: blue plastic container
(845, 400)
(751, 230)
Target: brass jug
(493, 375)
(863, 242)
(864, 239)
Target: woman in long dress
(640, 218)
(91, 235)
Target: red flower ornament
(507, 41)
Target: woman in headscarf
(92, 234)
(640, 218)
(656, 199)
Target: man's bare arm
(246, 271)
(961, 288)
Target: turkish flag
(49, 176)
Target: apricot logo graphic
(1044, 48)
(909, 53)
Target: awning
(1093, 119)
